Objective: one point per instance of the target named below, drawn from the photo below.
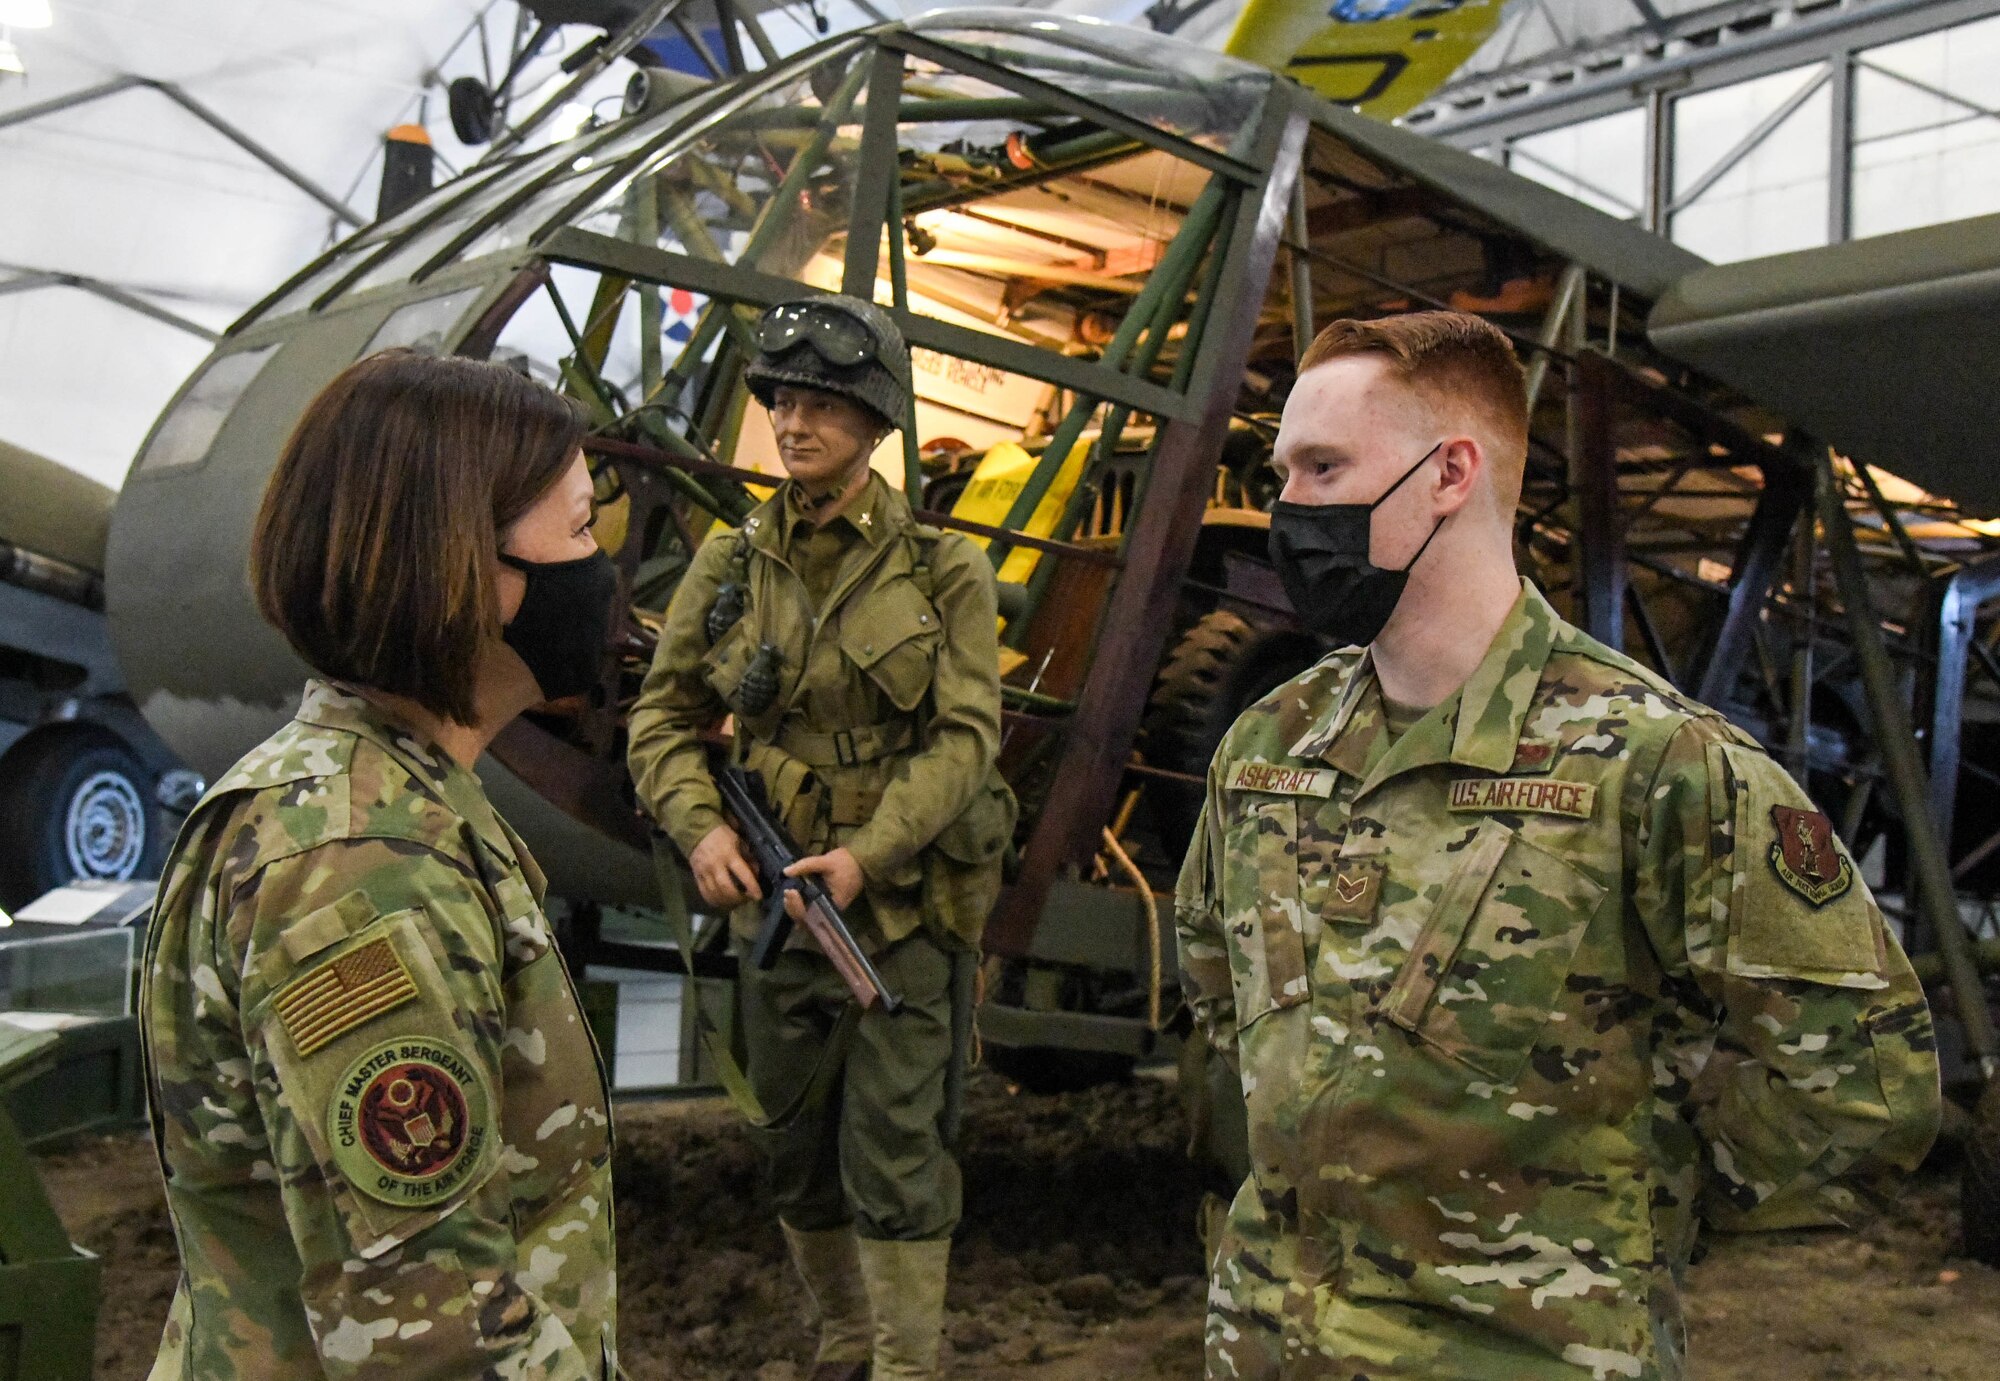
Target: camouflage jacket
(1522, 996)
(886, 723)
(381, 1117)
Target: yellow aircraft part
(1002, 474)
(1381, 57)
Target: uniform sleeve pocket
(892, 637)
(1267, 943)
(1795, 906)
(393, 1100)
(1490, 962)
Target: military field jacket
(886, 724)
(382, 1120)
(1521, 997)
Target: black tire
(74, 804)
(471, 106)
(1979, 1187)
(1051, 1069)
(1221, 666)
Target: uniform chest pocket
(1490, 963)
(724, 664)
(891, 635)
(1267, 953)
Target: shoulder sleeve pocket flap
(396, 1103)
(1796, 908)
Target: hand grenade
(727, 609)
(758, 690)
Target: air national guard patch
(1805, 856)
(1525, 796)
(337, 996)
(408, 1121)
(1280, 780)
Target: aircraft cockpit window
(718, 197)
(186, 433)
(424, 325)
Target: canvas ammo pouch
(964, 864)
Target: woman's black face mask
(564, 622)
(1321, 552)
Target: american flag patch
(339, 995)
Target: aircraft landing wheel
(74, 805)
(1220, 666)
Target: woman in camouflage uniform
(382, 1120)
(858, 653)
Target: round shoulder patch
(409, 1121)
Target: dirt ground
(1077, 1260)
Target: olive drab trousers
(870, 1151)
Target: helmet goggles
(836, 337)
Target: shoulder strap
(923, 548)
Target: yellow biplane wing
(1382, 57)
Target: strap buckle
(845, 751)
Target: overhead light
(568, 122)
(10, 61)
(25, 14)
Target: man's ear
(1461, 469)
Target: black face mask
(1321, 552)
(564, 621)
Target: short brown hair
(374, 547)
(1452, 359)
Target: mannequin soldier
(858, 654)
(1530, 963)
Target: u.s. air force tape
(1525, 796)
(409, 1121)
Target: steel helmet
(835, 343)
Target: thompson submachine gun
(773, 850)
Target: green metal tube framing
(899, 292)
(1168, 284)
(1936, 893)
(1085, 493)
(775, 218)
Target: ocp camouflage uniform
(1518, 1000)
(882, 739)
(381, 1117)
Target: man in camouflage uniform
(858, 653)
(1530, 964)
(384, 1121)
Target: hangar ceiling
(133, 223)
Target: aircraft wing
(1382, 57)
(1882, 347)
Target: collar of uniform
(1493, 704)
(333, 707)
(868, 515)
(1477, 726)
(1349, 737)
